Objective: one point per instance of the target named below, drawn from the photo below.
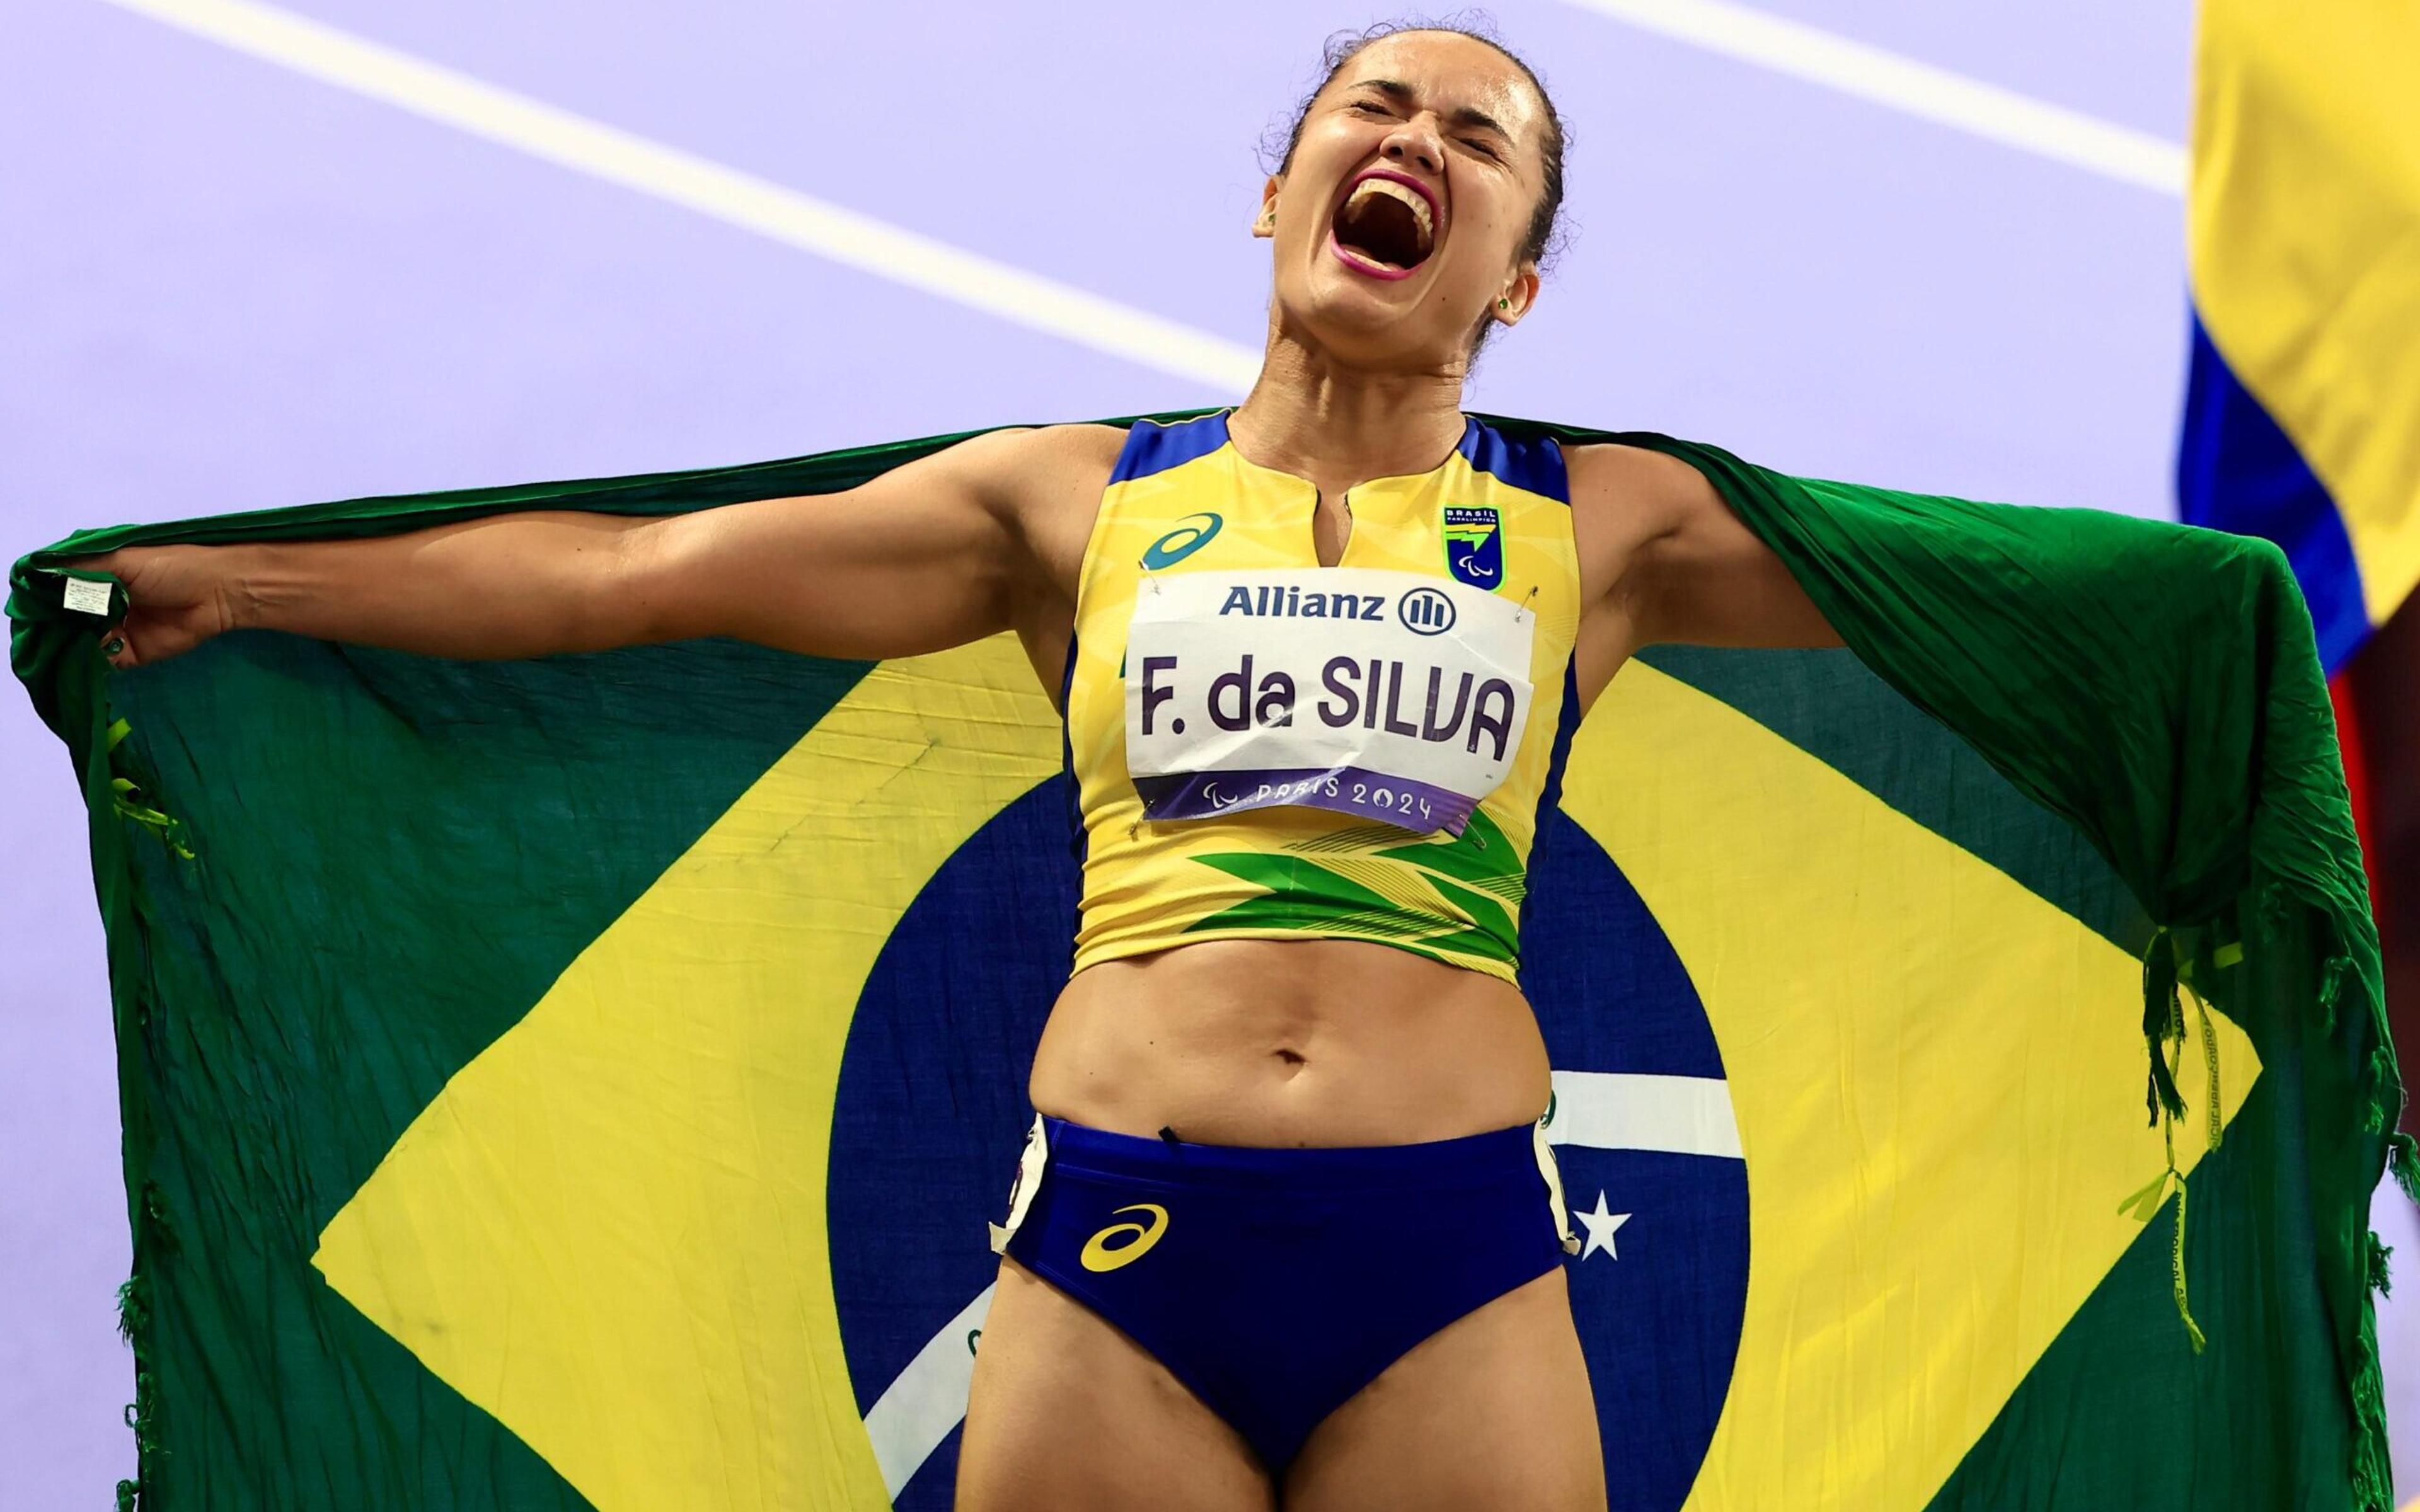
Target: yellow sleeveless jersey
(1262, 747)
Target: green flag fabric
(584, 1082)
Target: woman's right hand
(177, 596)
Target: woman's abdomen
(1269, 1042)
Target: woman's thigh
(1492, 1410)
(1067, 1415)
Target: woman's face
(1399, 223)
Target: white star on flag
(1600, 1225)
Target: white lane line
(1618, 1110)
(916, 1411)
(1902, 84)
(827, 230)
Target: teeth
(1395, 191)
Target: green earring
(1504, 305)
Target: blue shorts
(1278, 1283)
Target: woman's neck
(1339, 427)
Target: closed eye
(1370, 106)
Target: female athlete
(1285, 1233)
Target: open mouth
(1387, 225)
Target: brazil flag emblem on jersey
(1474, 545)
(586, 1082)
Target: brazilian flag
(584, 1082)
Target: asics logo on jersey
(1098, 1255)
(1191, 534)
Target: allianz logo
(1422, 610)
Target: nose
(1417, 142)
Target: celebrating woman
(1319, 658)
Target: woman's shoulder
(1020, 469)
(1088, 451)
(1045, 481)
(1651, 491)
(1620, 465)
(1041, 450)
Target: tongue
(1380, 228)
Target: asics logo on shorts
(1099, 1255)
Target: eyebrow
(1397, 89)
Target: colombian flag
(2303, 410)
(584, 1082)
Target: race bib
(1390, 695)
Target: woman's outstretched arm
(931, 554)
